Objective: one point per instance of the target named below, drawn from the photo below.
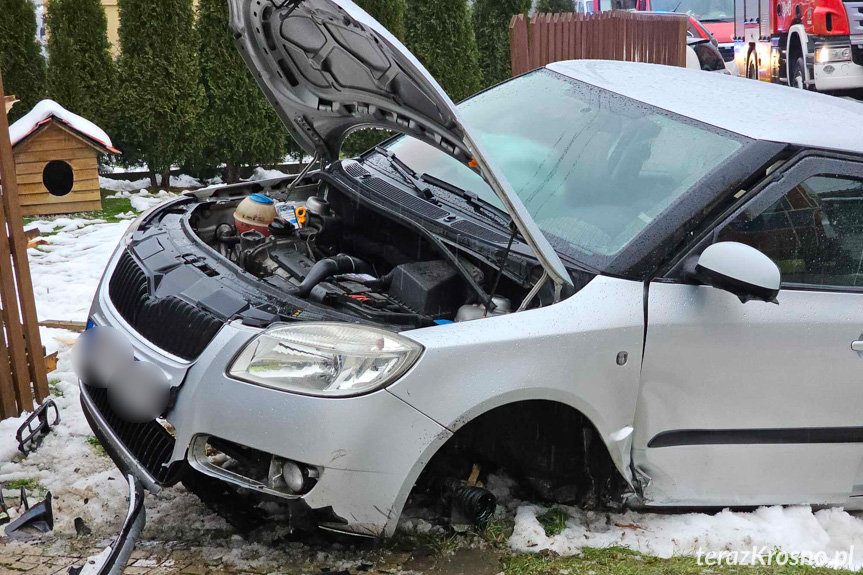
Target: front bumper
(838, 76)
(370, 449)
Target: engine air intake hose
(340, 264)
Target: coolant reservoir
(255, 213)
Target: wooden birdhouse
(57, 160)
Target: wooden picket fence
(22, 360)
(612, 35)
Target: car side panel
(738, 385)
(565, 352)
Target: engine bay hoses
(339, 264)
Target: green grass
(553, 521)
(109, 212)
(29, 483)
(111, 208)
(498, 532)
(620, 561)
(97, 447)
(55, 391)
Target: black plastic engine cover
(431, 288)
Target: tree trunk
(154, 183)
(166, 178)
(232, 173)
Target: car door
(757, 403)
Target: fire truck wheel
(752, 66)
(797, 75)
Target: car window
(593, 168)
(814, 233)
(704, 10)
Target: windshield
(704, 10)
(593, 168)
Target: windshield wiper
(472, 199)
(420, 183)
(407, 174)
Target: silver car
(573, 277)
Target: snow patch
(183, 181)
(791, 529)
(123, 185)
(262, 174)
(49, 108)
(143, 199)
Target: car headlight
(325, 359)
(834, 54)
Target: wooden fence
(613, 35)
(22, 360)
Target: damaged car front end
(336, 340)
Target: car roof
(758, 110)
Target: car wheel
(752, 66)
(797, 73)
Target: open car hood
(328, 68)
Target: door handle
(858, 346)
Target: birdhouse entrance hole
(58, 178)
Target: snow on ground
(182, 181)
(123, 185)
(263, 174)
(143, 199)
(66, 272)
(792, 529)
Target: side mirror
(739, 269)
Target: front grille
(169, 323)
(149, 443)
(855, 17)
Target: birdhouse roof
(48, 111)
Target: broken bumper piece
(34, 429)
(113, 560)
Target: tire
(752, 66)
(797, 73)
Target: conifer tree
(81, 75)
(440, 34)
(491, 20)
(21, 61)
(555, 6)
(238, 126)
(160, 93)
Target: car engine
(330, 250)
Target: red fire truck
(717, 16)
(813, 44)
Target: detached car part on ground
(549, 279)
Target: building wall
(54, 143)
(112, 12)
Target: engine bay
(320, 244)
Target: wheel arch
(515, 398)
(798, 39)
